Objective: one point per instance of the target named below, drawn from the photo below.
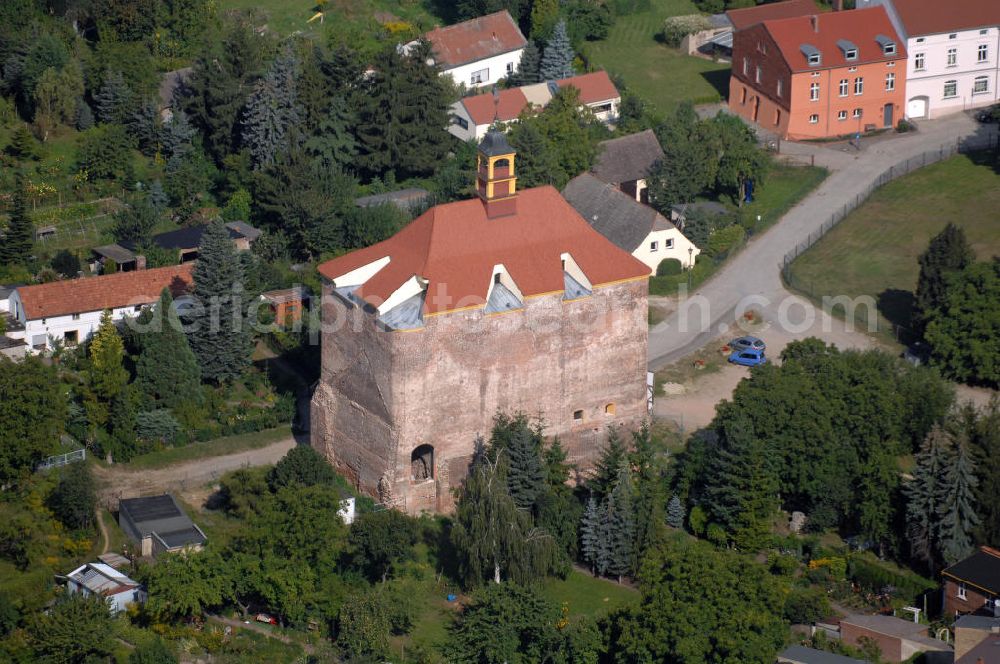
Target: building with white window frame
(953, 62)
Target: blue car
(748, 357)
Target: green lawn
(218, 447)
(874, 250)
(661, 75)
(585, 595)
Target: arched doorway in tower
(422, 463)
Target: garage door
(917, 107)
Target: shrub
(722, 241)
(784, 565)
(676, 28)
(806, 605)
(157, 425)
(669, 267)
(904, 126)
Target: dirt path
(260, 629)
(186, 478)
(105, 538)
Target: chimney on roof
(815, 22)
(140, 262)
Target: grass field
(218, 447)
(661, 75)
(586, 596)
(874, 250)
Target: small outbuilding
(897, 639)
(107, 582)
(626, 162)
(158, 524)
(804, 655)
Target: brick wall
(442, 385)
(974, 600)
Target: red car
(264, 618)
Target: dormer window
(888, 46)
(812, 54)
(849, 49)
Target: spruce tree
(144, 126)
(525, 477)
(590, 534)
(675, 512)
(221, 337)
(924, 495)
(22, 143)
(986, 439)
(947, 252)
(157, 197)
(557, 58)
(402, 110)
(176, 136)
(621, 527)
(114, 99)
(957, 510)
(333, 144)
(742, 486)
(167, 371)
(605, 550)
(272, 111)
(528, 68)
(608, 468)
(19, 237)
(84, 116)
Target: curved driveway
(752, 279)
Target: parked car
(748, 358)
(264, 618)
(747, 343)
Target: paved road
(755, 271)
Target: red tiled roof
(744, 18)
(455, 247)
(77, 296)
(928, 17)
(481, 107)
(476, 39)
(858, 26)
(593, 87)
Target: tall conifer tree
(675, 512)
(167, 370)
(221, 339)
(272, 111)
(16, 244)
(957, 510)
(924, 495)
(947, 252)
(528, 68)
(557, 58)
(332, 144)
(525, 478)
(590, 533)
(621, 527)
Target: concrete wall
(497, 66)
(382, 394)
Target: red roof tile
(928, 17)
(77, 296)
(481, 108)
(455, 247)
(744, 18)
(476, 39)
(858, 26)
(593, 87)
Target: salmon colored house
(819, 75)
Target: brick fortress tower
(509, 301)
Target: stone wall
(442, 385)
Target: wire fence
(861, 315)
(63, 459)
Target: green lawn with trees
(661, 75)
(875, 250)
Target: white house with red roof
(69, 311)
(478, 52)
(953, 48)
(471, 117)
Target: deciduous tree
(33, 410)
(947, 253)
(74, 499)
(76, 629)
(167, 371)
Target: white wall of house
(488, 71)
(606, 111)
(39, 333)
(939, 88)
(668, 243)
(117, 602)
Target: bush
(905, 126)
(157, 425)
(676, 28)
(784, 565)
(876, 577)
(722, 241)
(669, 267)
(806, 605)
